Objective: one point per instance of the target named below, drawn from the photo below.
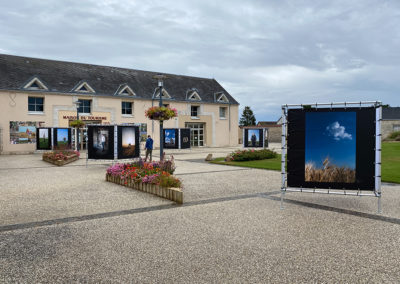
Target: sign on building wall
(23, 132)
(331, 148)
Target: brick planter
(70, 159)
(173, 194)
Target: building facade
(390, 120)
(44, 93)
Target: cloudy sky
(265, 53)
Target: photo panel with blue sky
(169, 136)
(62, 136)
(330, 147)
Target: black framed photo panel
(253, 138)
(171, 138)
(185, 138)
(128, 142)
(331, 148)
(43, 141)
(62, 138)
(101, 142)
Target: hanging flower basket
(77, 123)
(161, 113)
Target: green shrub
(394, 135)
(250, 155)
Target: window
(194, 111)
(222, 112)
(125, 90)
(35, 104)
(396, 127)
(127, 108)
(221, 98)
(194, 96)
(84, 88)
(35, 84)
(84, 106)
(164, 94)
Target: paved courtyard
(66, 224)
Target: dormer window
(221, 98)
(125, 90)
(194, 96)
(35, 84)
(165, 94)
(84, 87)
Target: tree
(248, 117)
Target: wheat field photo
(329, 173)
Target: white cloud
(338, 132)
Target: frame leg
(379, 204)
(282, 199)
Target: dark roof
(251, 127)
(391, 113)
(268, 123)
(61, 76)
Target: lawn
(269, 164)
(390, 162)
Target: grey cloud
(265, 53)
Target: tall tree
(248, 117)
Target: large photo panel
(253, 137)
(43, 141)
(101, 142)
(62, 138)
(128, 142)
(171, 138)
(185, 138)
(331, 148)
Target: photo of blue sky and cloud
(330, 147)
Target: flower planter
(173, 194)
(69, 159)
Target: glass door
(196, 134)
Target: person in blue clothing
(149, 148)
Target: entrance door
(196, 134)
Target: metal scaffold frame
(378, 148)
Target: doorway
(197, 131)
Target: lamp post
(161, 78)
(77, 104)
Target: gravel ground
(66, 224)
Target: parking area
(66, 224)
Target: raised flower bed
(60, 158)
(154, 177)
